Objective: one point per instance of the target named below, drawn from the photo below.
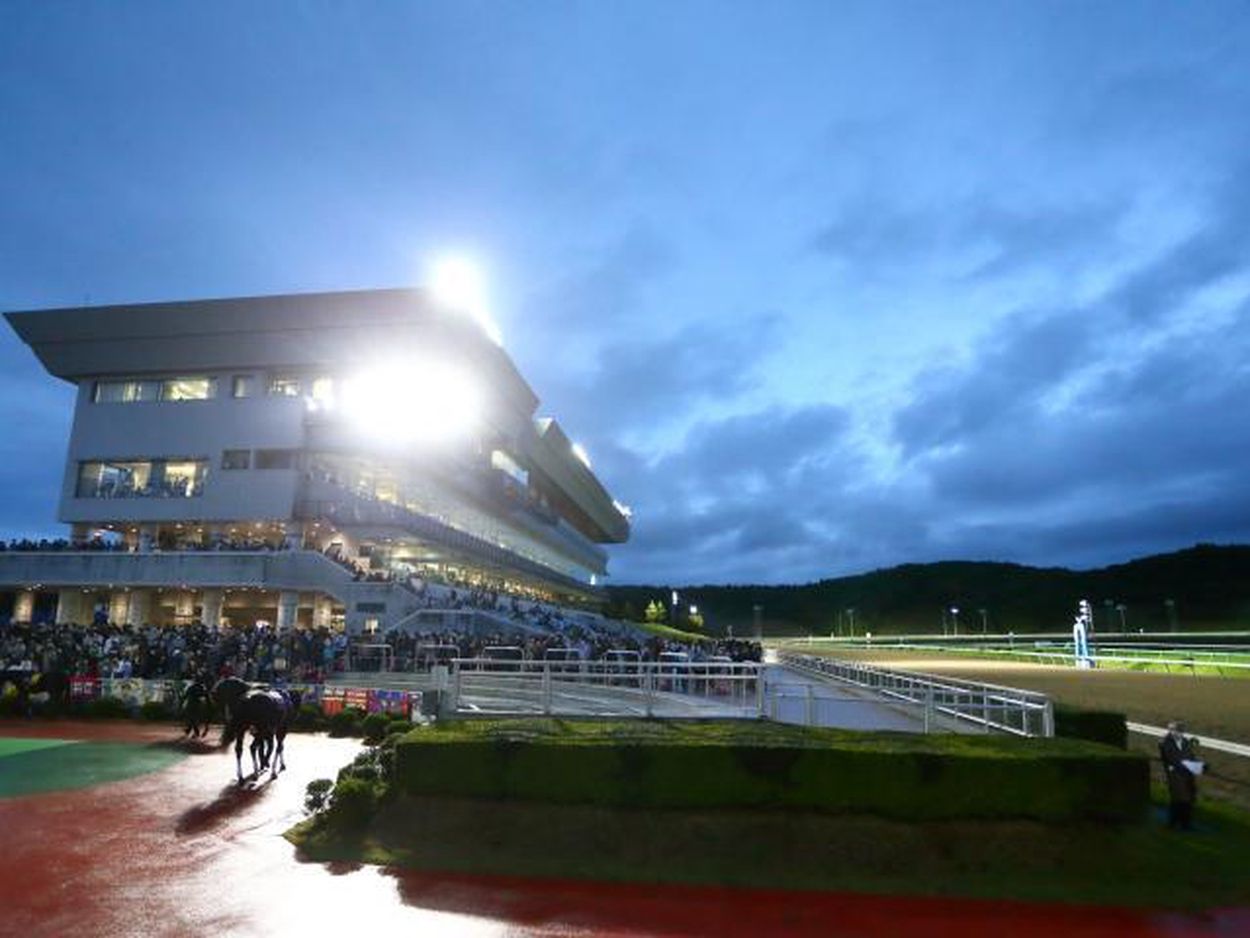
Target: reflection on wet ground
(186, 851)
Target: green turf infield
(35, 766)
(10, 746)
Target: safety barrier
(988, 706)
(331, 698)
(483, 686)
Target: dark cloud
(606, 288)
(737, 494)
(649, 380)
(1218, 248)
(1006, 377)
(880, 237)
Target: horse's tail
(229, 732)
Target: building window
(236, 459)
(188, 389)
(183, 479)
(275, 459)
(132, 391)
(126, 392)
(141, 478)
(322, 389)
(283, 386)
(242, 386)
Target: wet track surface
(184, 851)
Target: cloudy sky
(821, 287)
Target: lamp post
(756, 611)
(955, 620)
(850, 616)
(1121, 609)
(985, 622)
(1170, 606)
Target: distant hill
(1208, 586)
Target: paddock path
(179, 850)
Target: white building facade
(302, 460)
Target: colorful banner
(331, 700)
(390, 701)
(83, 687)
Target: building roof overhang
(302, 330)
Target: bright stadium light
(457, 283)
(428, 403)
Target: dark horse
(197, 709)
(268, 714)
(229, 690)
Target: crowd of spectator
(45, 545)
(261, 653)
(256, 653)
(117, 545)
(419, 651)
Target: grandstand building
(301, 460)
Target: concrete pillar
(210, 611)
(184, 607)
(288, 610)
(119, 607)
(293, 535)
(79, 533)
(24, 606)
(147, 538)
(140, 610)
(323, 612)
(69, 608)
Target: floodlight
(429, 403)
(457, 283)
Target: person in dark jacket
(1176, 749)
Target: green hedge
(1098, 726)
(740, 764)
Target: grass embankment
(770, 847)
(1143, 865)
(722, 764)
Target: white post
(139, 610)
(809, 709)
(210, 607)
(24, 606)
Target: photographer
(1181, 767)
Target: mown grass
(737, 733)
(1141, 865)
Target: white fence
(939, 700)
(481, 686)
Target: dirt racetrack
(1218, 707)
(181, 850)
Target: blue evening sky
(821, 287)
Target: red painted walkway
(183, 852)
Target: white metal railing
(1123, 657)
(604, 688)
(988, 706)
